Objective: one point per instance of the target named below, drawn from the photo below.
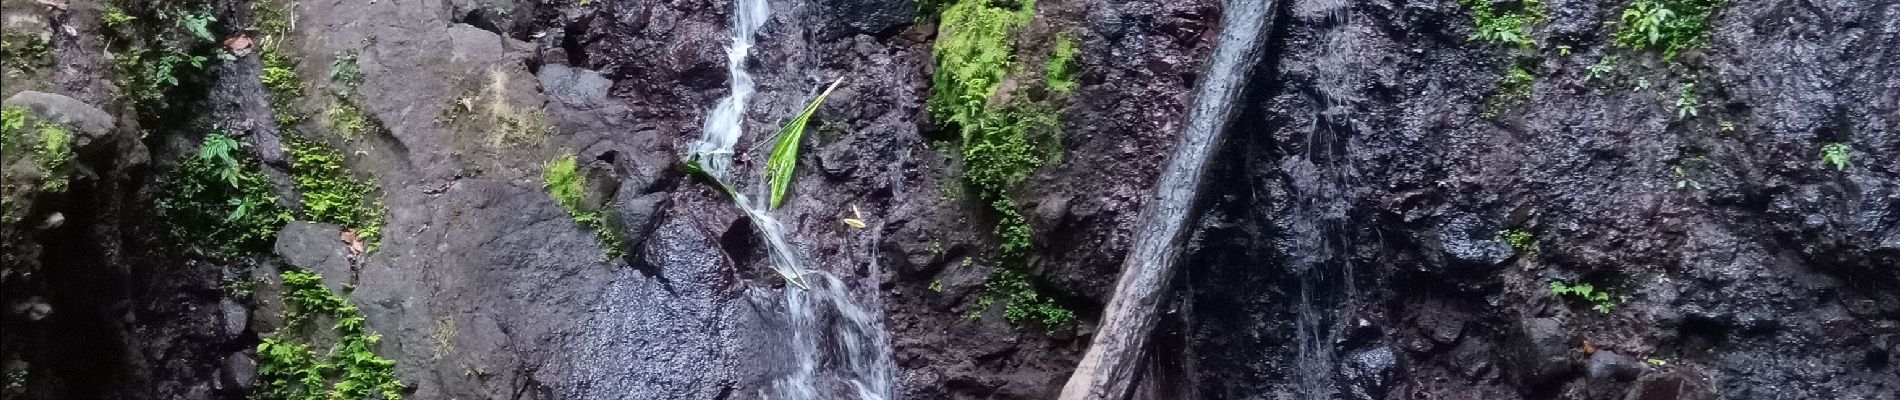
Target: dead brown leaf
(239, 45)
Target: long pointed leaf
(778, 168)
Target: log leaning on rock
(1107, 371)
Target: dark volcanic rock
(1349, 246)
(88, 124)
(319, 248)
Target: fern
(778, 168)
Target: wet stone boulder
(89, 125)
(317, 247)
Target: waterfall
(1319, 225)
(724, 126)
(835, 342)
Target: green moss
(48, 143)
(289, 369)
(54, 156)
(568, 187)
(348, 121)
(1505, 23)
(1022, 304)
(1671, 26)
(975, 53)
(1059, 71)
(24, 52)
(1005, 138)
(331, 194)
(219, 203)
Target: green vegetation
(289, 370)
(344, 117)
(1686, 102)
(54, 156)
(240, 288)
(24, 52)
(564, 182)
(1506, 23)
(1513, 89)
(1024, 304)
(280, 67)
(345, 71)
(1005, 137)
(1686, 172)
(1672, 26)
(347, 120)
(164, 53)
(1602, 68)
(115, 17)
(778, 168)
(1599, 300)
(331, 194)
(49, 143)
(1520, 241)
(974, 55)
(219, 203)
(1835, 155)
(1059, 70)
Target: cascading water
(818, 309)
(1320, 257)
(723, 127)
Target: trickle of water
(724, 126)
(859, 366)
(1320, 177)
(819, 311)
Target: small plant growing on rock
(24, 52)
(1060, 69)
(344, 69)
(568, 187)
(51, 146)
(1520, 241)
(1835, 155)
(1599, 300)
(220, 202)
(1505, 25)
(1670, 25)
(1686, 102)
(1023, 303)
(331, 194)
(1513, 89)
(290, 370)
(1602, 68)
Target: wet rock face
(1363, 179)
(1720, 241)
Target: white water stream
(839, 348)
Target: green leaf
(778, 168)
(697, 171)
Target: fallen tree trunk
(1107, 371)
